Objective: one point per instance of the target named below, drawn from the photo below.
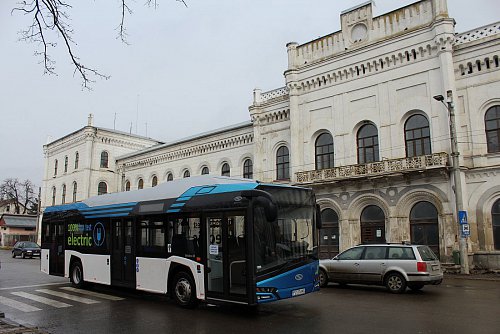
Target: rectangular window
(401, 253)
(152, 237)
(184, 236)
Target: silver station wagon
(396, 266)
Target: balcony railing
(385, 167)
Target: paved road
(457, 306)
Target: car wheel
(24, 256)
(323, 278)
(13, 254)
(416, 287)
(76, 275)
(395, 283)
(184, 290)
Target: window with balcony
(248, 169)
(367, 144)
(417, 136)
(282, 163)
(324, 151)
(492, 127)
(372, 225)
(104, 159)
(225, 170)
(424, 225)
(102, 188)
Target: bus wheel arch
(76, 272)
(182, 286)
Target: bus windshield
(288, 239)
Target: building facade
(17, 227)
(358, 121)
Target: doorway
(123, 253)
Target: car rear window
(401, 253)
(426, 254)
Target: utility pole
(459, 205)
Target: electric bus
(204, 238)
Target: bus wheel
(184, 291)
(76, 274)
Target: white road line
(92, 293)
(18, 305)
(41, 299)
(68, 296)
(31, 286)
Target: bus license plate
(298, 292)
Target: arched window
(225, 170)
(329, 234)
(324, 151)
(127, 186)
(63, 194)
(140, 184)
(66, 164)
(75, 190)
(424, 225)
(186, 174)
(53, 196)
(55, 167)
(77, 157)
(170, 177)
(154, 181)
(104, 159)
(495, 220)
(102, 188)
(204, 170)
(492, 126)
(417, 136)
(248, 169)
(372, 225)
(367, 144)
(282, 164)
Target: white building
(356, 121)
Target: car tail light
(421, 266)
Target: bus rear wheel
(76, 274)
(184, 290)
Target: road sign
(462, 217)
(465, 230)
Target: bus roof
(204, 184)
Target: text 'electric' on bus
(204, 238)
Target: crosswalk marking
(92, 293)
(41, 299)
(68, 296)
(18, 305)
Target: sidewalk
(476, 275)
(9, 327)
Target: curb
(9, 327)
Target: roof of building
(18, 220)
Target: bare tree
(50, 18)
(22, 195)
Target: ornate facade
(356, 121)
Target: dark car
(26, 249)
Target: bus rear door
(123, 253)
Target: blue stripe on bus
(66, 207)
(111, 206)
(219, 189)
(99, 212)
(106, 215)
(184, 199)
(177, 205)
(173, 210)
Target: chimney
(91, 120)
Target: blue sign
(462, 217)
(465, 228)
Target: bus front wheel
(76, 275)
(184, 290)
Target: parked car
(26, 249)
(396, 266)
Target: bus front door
(56, 249)
(226, 258)
(123, 253)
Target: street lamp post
(459, 205)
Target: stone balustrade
(385, 167)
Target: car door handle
(356, 264)
(382, 264)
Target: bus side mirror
(319, 222)
(265, 200)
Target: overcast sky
(186, 70)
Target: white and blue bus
(204, 238)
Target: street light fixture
(464, 257)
